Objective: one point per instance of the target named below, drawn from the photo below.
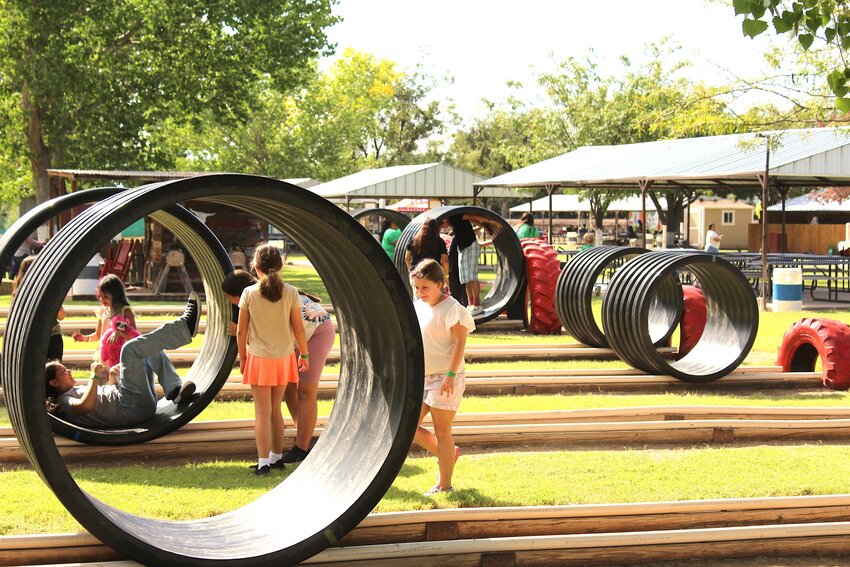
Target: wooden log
(209, 442)
(612, 522)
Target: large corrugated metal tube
(510, 262)
(367, 437)
(731, 324)
(209, 375)
(575, 289)
(401, 219)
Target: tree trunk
(672, 216)
(39, 154)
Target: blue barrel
(787, 289)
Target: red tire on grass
(810, 339)
(694, 314)
(542, 269)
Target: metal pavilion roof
(430, 180)
(805, 157)
(573, 203)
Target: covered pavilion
(813, 157)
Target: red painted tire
(542, 269)
(694, 314)
(810, 339)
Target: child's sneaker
(275, 465)
(439, 490)
(192, 314)
(295, 455)
(182, 394)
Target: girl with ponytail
(269, 319)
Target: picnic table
(831, 271)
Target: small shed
(731, 217)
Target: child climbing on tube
(128, 397)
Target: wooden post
(475, 192)
(764, 180)
(783, 191)
(644, 185)
(549, 190)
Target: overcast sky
(483, 44)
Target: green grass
(489, 479)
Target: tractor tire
(694, 314)
(542, 269)
(810, 339)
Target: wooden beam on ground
(552, 431)
(647, 531)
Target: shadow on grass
(219, 475)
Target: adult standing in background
(427, 244)
(463, 237)
(390, 233)
(29, 245)
(712, 240)
(527, 229)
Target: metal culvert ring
(730, 328)
(575, 288)
(375, 413)
(29, 222)
(510, 263)
(401, 219)
(209, 377)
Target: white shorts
(435, 399)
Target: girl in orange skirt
(269, 318)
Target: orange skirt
(261, 371)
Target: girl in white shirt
(445, 323)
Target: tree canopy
(585, 106)
(809, 21)
(363, 112)
(91, 84)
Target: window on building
(728, 217)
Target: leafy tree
(809, 21)
(641, 103)
(362, 113)
(91, 84)
(585, 107)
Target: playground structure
(508, 291)
(388, 393)
(219, 352)
(665, 317)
